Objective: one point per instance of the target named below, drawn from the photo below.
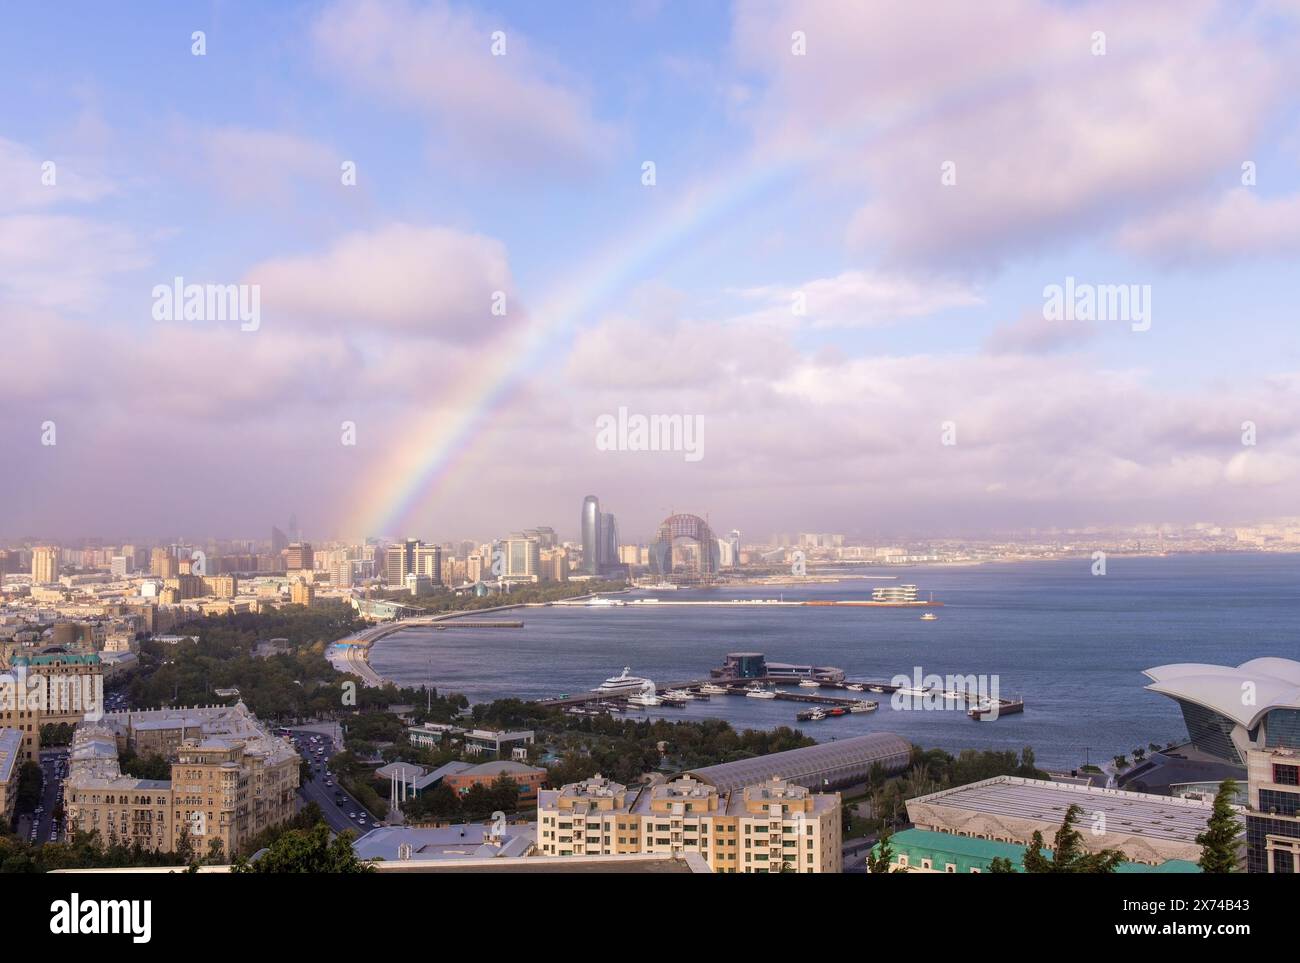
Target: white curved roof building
(1229, 710)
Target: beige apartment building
(230, 779)
(45, 565)
(770, 827)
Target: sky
(839, 271)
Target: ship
(758, 692)
(1004, 707)
(929, 617)
(627, 682)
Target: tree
(307, 851)
(1068, 853)
(881, 855)
(1219, 841)
(1001, 864)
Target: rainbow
(416, 472)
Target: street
(340, 809)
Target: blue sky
(777, 174)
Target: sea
(1070, 643)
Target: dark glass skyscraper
(591, 535)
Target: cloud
(24, 182)
(1238, 224)
(246, 164)
(860, 299)
(1049, 142)
(400, 280)
(518, 111)
(63, 261)
(1034, 334)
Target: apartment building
(230, 779)
(774, 826)
(11, 764)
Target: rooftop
(1274, 681)
(1162, 817)
(812, 766)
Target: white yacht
(809, 684)
(913, 691)
(817, 715)
(627, 682)
(680, 694)
(929, 617)
(712, 688)
(758, 692)
(862, 705)
(644, 700)
(856, 687)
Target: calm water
(1072, 644)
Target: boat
(862, 705)
(856, 687)
(913, 691)
(627, 682)
(644, 700)
(1004, 707)
(809, 684)
(758, 692)
(836, 711)
(681, 695)
(604, 601)
(929, 617)
(712, 688)
(876, 688)
(817, 715)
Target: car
(352, 815)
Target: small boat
(712, 688)
(856, 687)
(913, 691)
(817, 715)
(837, 711)
(680, 694)
(758, 692)
(644, 701)
(809, 684)
(863, 705)
(929, 617)
(876, 688)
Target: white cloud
(401, 279)
(514, 111)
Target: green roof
(967, 852)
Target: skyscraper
(591, 535)
(45, 565)
(608, 542)
(279, 541)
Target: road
(338, 814)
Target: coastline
(351, 654)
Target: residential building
(230, 779)
(45, 565)
(774, 826)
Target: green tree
(881, 855)
(1219, 841)
(307, 851)
(1001, 864)
(1068, 853)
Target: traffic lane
(337, 812)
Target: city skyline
(886, 276)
